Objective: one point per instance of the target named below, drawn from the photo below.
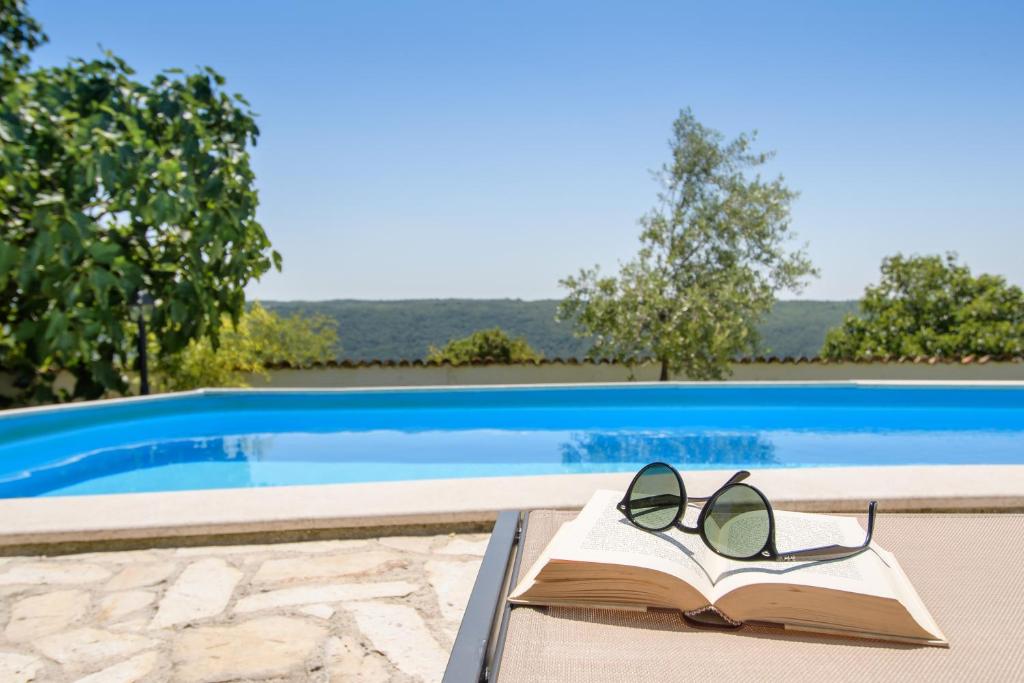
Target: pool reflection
(706, 450)
(266, 459)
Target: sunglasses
(736, 521)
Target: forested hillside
(797, 328)
(404, 329)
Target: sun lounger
(967, 568)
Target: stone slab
(471, 545)
(349, 661)
(452, 582)
(319, 567)
(90, 646)
(203, 590)
(400, 633)
(261, 648)
(40, 615)
(133, 670)
(19, 668)
(324, 612)
(117, 605)
(307, 595)
(42, 573)
(140, 575)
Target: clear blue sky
(484, 149)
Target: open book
(601, 560)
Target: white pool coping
(14, 413)
(434, 503)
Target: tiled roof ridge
(749, 360)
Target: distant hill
(797, 328)
(397, 330)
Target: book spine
(710, 616)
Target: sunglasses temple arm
(834, 552)
(734, 479)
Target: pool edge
(12, 413)
(347, 509)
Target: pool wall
(20, 423)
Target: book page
(603, 534)
(558, 545)
(868, 573)
(909, 597)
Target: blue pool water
(230, 439)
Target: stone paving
(384, 609)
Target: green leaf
(104, 252)
(109, 171)
(49, 198)
(102, 282)
(25, 330)
(179, 311)
(56, 326)
(105, 373)
(10, 255)
(168, 171)
(163, 207)
(70, 241)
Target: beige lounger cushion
(968, 569)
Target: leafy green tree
(19, 33)
(298, 340)
(713, 256)
(931, 306)
(493, 344)
(260, 338)
(110, 187)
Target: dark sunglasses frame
(769, 552)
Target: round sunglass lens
(737, 522)
(655, 498)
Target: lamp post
(140, 311)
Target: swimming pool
(251, 438)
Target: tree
(713, 256)
(110, 187)
(931, 306)
(19, 33)
(493, 344)
(260, 338)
